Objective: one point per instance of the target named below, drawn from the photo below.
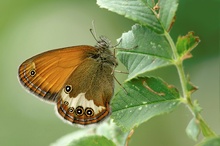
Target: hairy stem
(178, 62)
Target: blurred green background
(28, 27)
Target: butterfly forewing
(45, 74)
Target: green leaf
(214, 141)
(103, 129)
(145, 98)
(67, 139)
(136, 10)
(185, 44)
(167, 11)
(206, 131)
(92, 141)
(190, 86)
(113, 132)
(150, 51)
(150, 3)
(193, 130)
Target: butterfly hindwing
(89, 104)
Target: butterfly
(78, 79)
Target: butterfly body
(78, 79)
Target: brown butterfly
(79, 79)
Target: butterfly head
(103, 43)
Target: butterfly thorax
(103, 54)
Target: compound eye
(79, 111)
(68, 89)
(89, 112)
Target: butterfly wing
(85, 96)
(46, 73)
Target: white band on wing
(80, 100)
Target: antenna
(93, 31)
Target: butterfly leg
(123, 72)
(120, 84)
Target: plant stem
(178, 62)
